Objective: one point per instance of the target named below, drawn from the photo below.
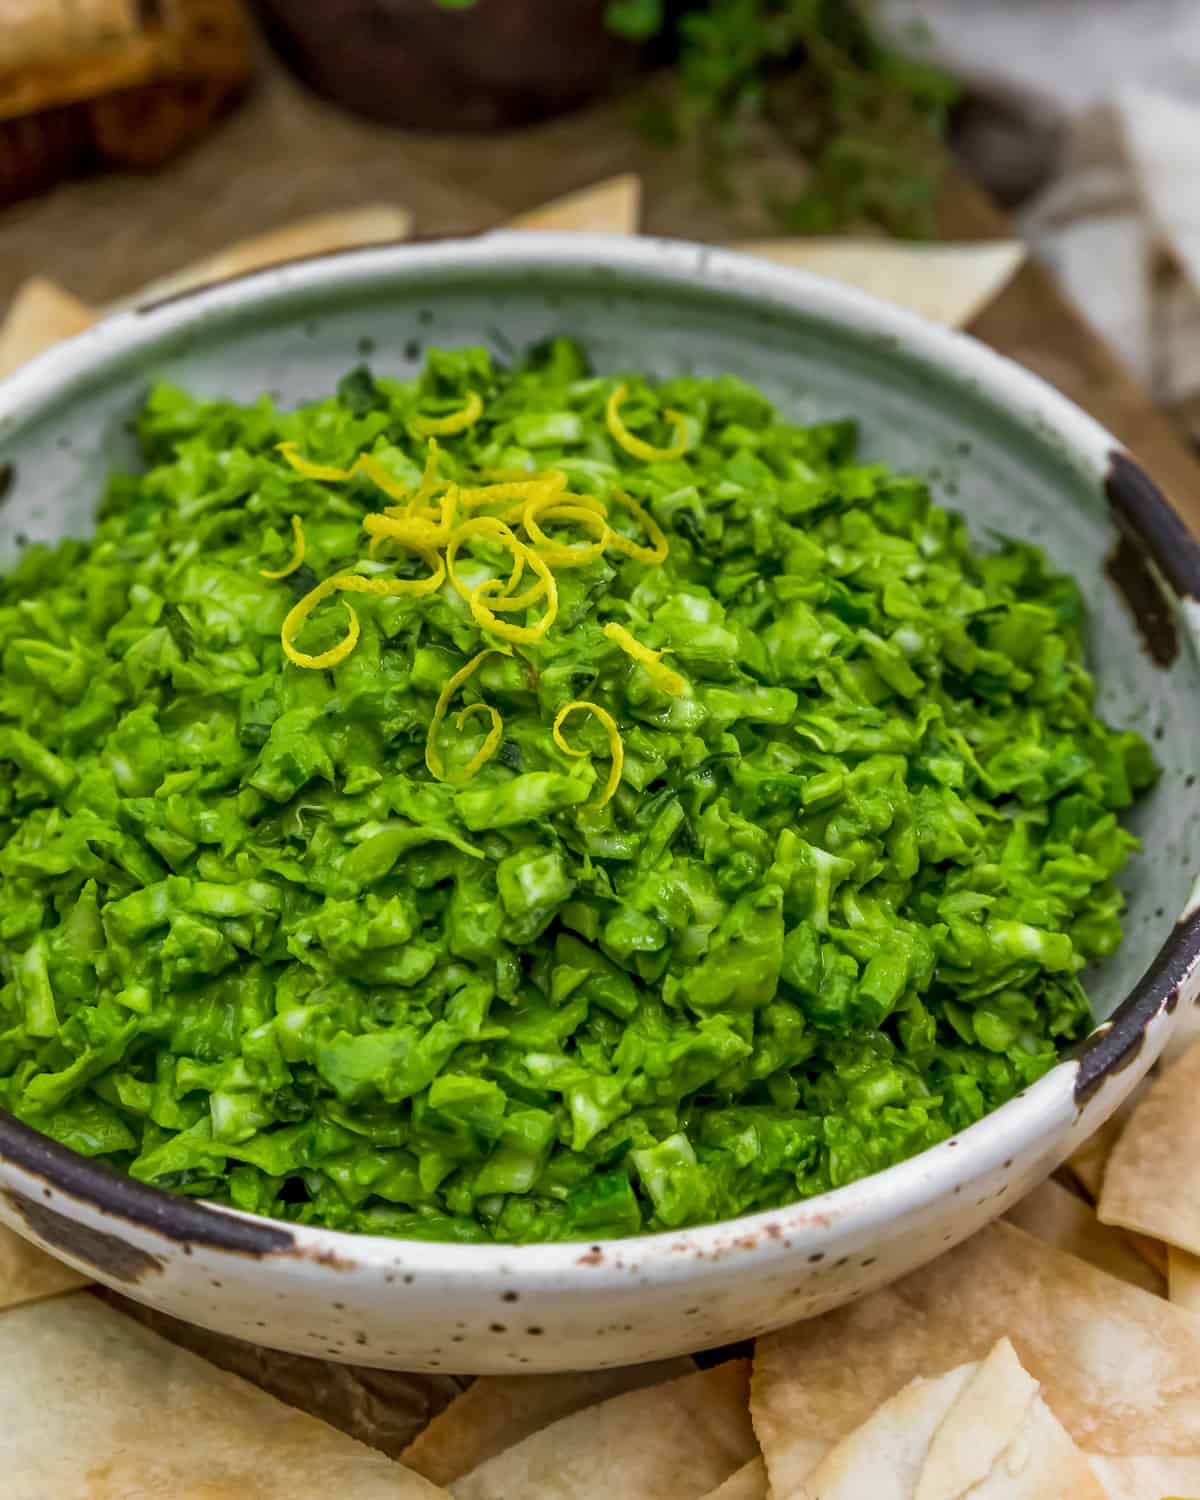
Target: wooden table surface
(285, 155)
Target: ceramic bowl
(993, 441)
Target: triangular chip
(610, 207)
(1183, 1278)
(1041, 1463)
(881, 1459)
(498, 1411)
(988, 1414)
(1119, 1368)
(27, 1273)
(40, 315)
(1147, 1478)
(322, 234)
(97, 1406)
(1058, 1216)
(671, 1442)
(1152, 1181)
(947, 283)
(1088, 1163)
(750, 1481)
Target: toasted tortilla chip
(989, 1413)
(98, 1408)
(1088, 1163)
(1147, 1478)
(1041, 1463)
(1183, 1278)
(499, 1411)
(1000, 1441)
(670, 1442)
(1056, 1215)
(1152, 1181)
(40, 315)
(750, 1481)
(947, 283)
(981, 1431)
(322, 234)
(1118, 1367)
(610, 207)
(28, 1274)
(882, 1458)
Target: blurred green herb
(863, 116)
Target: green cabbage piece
(837, 911)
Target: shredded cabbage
(769, 839)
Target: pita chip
(28, 1274)
(1152, 1181)
(1147, 1478)
(43, 313)
(1041, 1463)
(1000, 1441)
(670, 1442)
(1118, 1367)
(980, 1431)
(1088, 1163)
(1058, 1216)
(96, 1407)
(610, 207)
(499, 1411)
(948, 283)
(991, 1409)
(322, 234)
(883, 1457)
(750, 1481)
(40, 315)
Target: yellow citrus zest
(488, 528)
(492, 741)
(532, 487)
(300, 612)
(304, 466)
(495, 595)
(380, 478)
(352, 583)
(297, 558)
(659, 547)
(637, 447)
(440, 517)
(457, 421)
(429, 476)
(663, 677)
(433, 757)
(413, 532)
(365, 463)
(615, 744)
(566, 556)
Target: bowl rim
(1140, 509)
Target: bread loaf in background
(120, 83)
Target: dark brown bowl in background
(412, 62)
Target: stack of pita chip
(1053, 1357)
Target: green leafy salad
(519, 805)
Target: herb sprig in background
(863, 116)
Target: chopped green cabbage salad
(621, 809)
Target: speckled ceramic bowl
(992, 439)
